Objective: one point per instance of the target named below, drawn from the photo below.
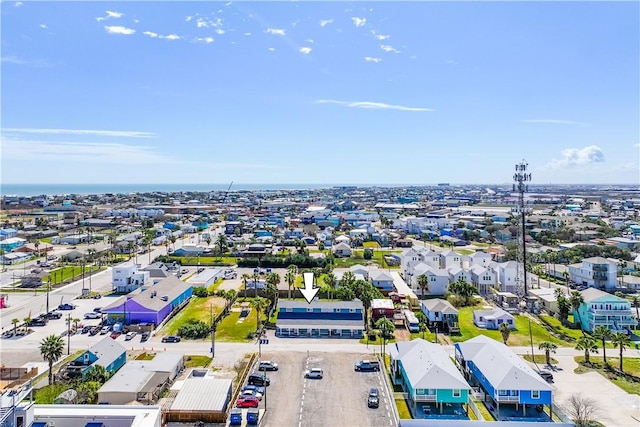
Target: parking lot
(339, 398)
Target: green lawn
(373, 245)
(630, 382)
(46, 394)
(564, 333)
(465, 251)
(230, 330)
(65, 273)
(518, 337)
(539, 358)
(198, 308)
(197, 361)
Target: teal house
(108, 353)
(603, 309)
(434, 387)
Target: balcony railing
(424, 397)
(508, 398)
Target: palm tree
(221, 244)
(27, 320)
(422, 322)
(348, 278)
(245, 278)
(505, 331)
(51, 349)
(255, 276)
(423, 284)
(290, 278)
(75, 323)
(588, 344)
(331, 281)
(603, 333)
(172, 239)
(548, 348)
(576, 301)
(259, 304)
(621, 340)
(15, 322)
(635, 301)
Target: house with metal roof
(320, 319)
(381, 279)
(441, 313)
(603, 309)
(433, 384)
(202, 396)
(151, 304)
(108, 353)
(493, 318)
(512, 388)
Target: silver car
(314, 373)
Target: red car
(247, 402)
(115, 335)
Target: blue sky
(321, 92)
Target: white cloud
(111, 133)
(118, 29)
(326, 22)
(310, 41)
(372, 105)
(188, 18)
(17, 4)
(220, 31)
(276, 31)
(380, 37)
(247, 34)
(372, 59)
(110, 14)
(14, 60)
(171, 37)
(203, 40)
(388, 48)
(38, 63)
(86, 152)
(359, 22)
(637, 145)
(555, 122)
(43, 26)
(577, 157)
(450, 61)
(305, 50)
(628, 167)
(202, 24)
(150, 34)
(271, 49)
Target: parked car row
(257, 382)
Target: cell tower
(521, 185)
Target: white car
(314, 373)
(251, 393)
(130, 335)
(92, 315)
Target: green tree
(98, 373)
(463, 290)
(622, 341)
(221, 244)
(348, 278)
(200, 291)
(635, 301)
(245, 278)
(588, 344)
(259, 304)
(563, 308)
(548, 348)
(505, 331)
(423, 284)
(603, 334)
(576, 300)
(15, 322)
(331, 282)
(51, 349)
(422, 322)
(290, 278)
(88, 391)
(368, 253)
(386, 327)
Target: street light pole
(213, 333)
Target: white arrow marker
(309, 292)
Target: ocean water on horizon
(54, 189)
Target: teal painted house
(603, 309)
(108, 353)
(434, 386)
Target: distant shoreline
(26, 190)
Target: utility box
(253, 416)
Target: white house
(206, 277)
(479, 258)
(438, 280)
(127, 278)
(507, 273)
(456, 273)
(341, 250)
(595, 272)
(381, 279)
(450, 259)
(412, 257)
(361, 270)
(492, 319)
(483, 278)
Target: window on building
(535, 394)
(456, 393)
(502, 392)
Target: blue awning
(39, 424)
(94, 425)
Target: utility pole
(521, 185)
(213, 333)
(48, 290)
(68, 333)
